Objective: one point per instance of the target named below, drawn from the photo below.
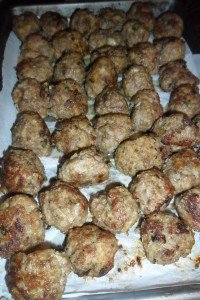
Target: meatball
(41, 274)
(21, 225)
(170, 49)
(174, 74)
(110, 100)
(84, 21)
(51, 23)
(111, 130)
(188, 207)
(183, 170)
(105, 37)
(168, 24)
(135, 32)
(22, 171)
(69, 41)
(39, 139)
(67, 99)
(114, 210)
(101, 73)
(71, 66)
(73, 134)
(63, 206)
(146, 110)
(136, 78)
(144, 54)
(112, 18)
(152, 190)
(139, 152)
(29, 94)
(38, 68)
(186, 99)
(165, 238)
(25, 24)
(84, 168)
(91, 250)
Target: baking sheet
(132, 271)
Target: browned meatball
(25, 24)
(186, 99)
(165, 238)
(139, 152)
(51, 23)
(135, 32)
(174, 74)
(84, 168)
(30, 132)
(196, 121)
(146, 110)
(111, 130)
(73, 134)
(67, 99)
(29, 94)
(91, 250)
(105, 37)
(63, 206)
(21, 225)
(188, 207)
(22, 171)
(183, 170)
(152, 190)
(84, 21)
(144, 54)
(38, 68)
(112, 18)
(114, 210)
(41, 274)
(168, 24)
(110, 100)
(136, 78)
(101, 73)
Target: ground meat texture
(105, 37)
(84, 21)
(168, 24)
(185, 99)
(146, 110)
(139, 152)
(29, 94)
(71, 65)
(142, 12)
(67, 100)
(38, 68)
(112, 18)
(25, 24)
(73, 134)
(118, 55)
(165, 238)
(170, 49)
(152, 190)
(84, 168)
(63, 206)
(101, 73)
(188, 207)
(30, 132)
(174, 74)
(110, 100)
(114, 210)
(135, 32)
(51, 23)
(136, 78)
(41, 274)
(144, 54)
(183, 170)
(21, 225)
(91, 250)
(69, 41)
(22, 171)
(111, 130)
